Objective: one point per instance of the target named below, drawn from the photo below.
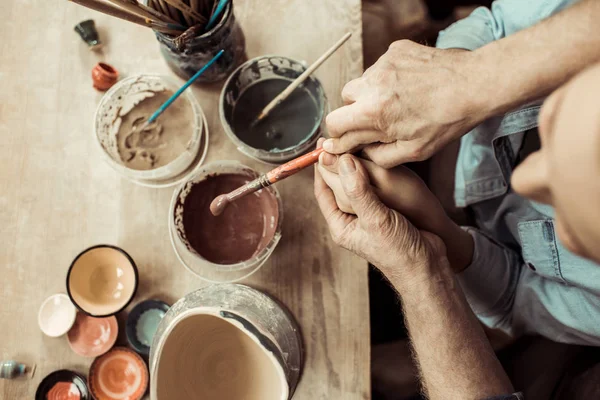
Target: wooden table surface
(58, 196)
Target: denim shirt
(521, 279)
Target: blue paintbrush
(181, 89)
(218, 11)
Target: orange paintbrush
(283, 171)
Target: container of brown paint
(226, 342)
(291, 129)
(235, 244)
(187, 60)
(166, 150)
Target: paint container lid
(63, 385)
(92, 337)
(56, 315)
(102, 280)
(119, 374)
(142, 323)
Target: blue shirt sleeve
(506, 295)
(504, 18)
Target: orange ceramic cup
(104, 76)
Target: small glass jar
(226, 35)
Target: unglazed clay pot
(104, 76)
(225, 342)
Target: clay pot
(104, 76)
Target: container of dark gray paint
(291, 129)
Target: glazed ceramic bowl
(63, 385)
(56, 315)
(118, 375)
(92, 337)
(142, 323)
(102, 280)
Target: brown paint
(240, 232)
(102, 280)
(104, 76)
(206, 357)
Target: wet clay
(163, 140)
(245, 228)
(289, 124)
(208, 358)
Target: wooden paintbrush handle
(291, 167)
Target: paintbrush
(215, 15)
(178, 92)
(219, 204)
(123, 14)
(288, 90)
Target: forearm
(532, 63)
(452, 351)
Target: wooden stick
(117, 12)
(185, 9)
(163, 17)
(288, 90)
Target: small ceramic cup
(104, 76)
(102, 280)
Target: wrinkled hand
(376, 233)
(411, 103)
(398, 188)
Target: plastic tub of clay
(162, 151)
(292, 127)
(235, 244)
(226, 342)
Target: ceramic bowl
(142, 323)
(63, 385)
(117, 375)
(91, 337)
(102, 280)
(56, 315)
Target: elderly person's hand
(376, 233)
(403, 191)
(411, 103)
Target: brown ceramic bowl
(102, 280)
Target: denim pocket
(539, 249)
